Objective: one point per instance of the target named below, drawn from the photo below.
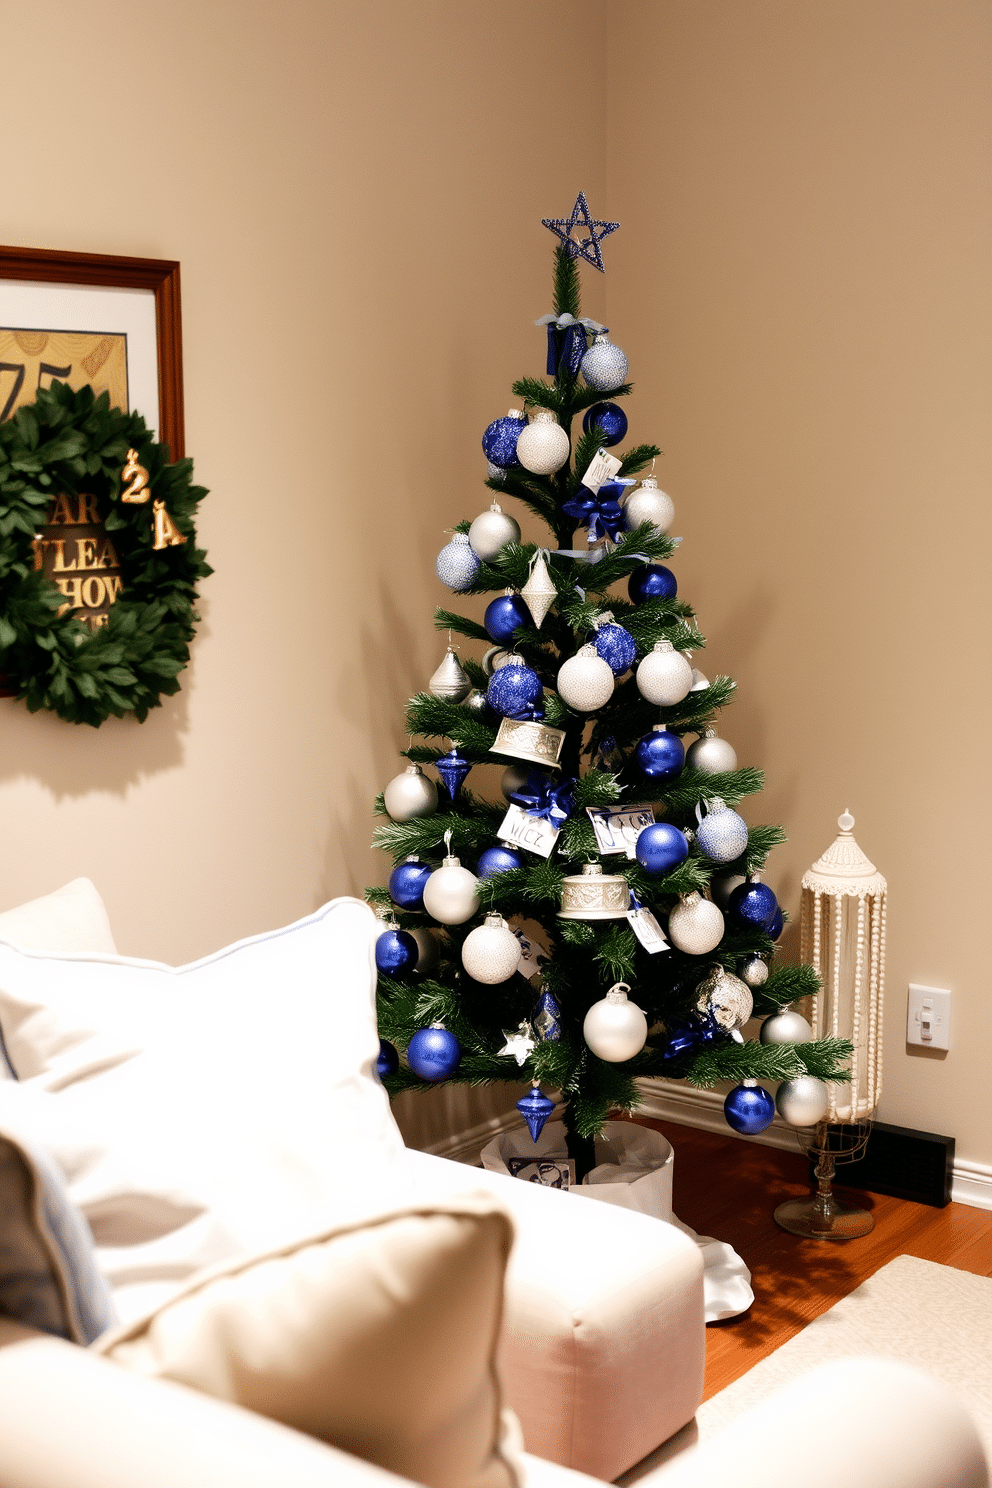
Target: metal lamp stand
(822, 1216)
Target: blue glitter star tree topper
(588, 247)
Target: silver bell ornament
(615, 1029)
(456, 564)
(785, 1027)
(585, 682)
(721, 834)
(450, 681)
(649, 504)
(491, 952)
(410, 794)
(664, 677)
(755, 973)
(451, 894)
(491, 531)
(594, 895)
(475, 701)
(726, 999)
(539, 592)
(711, 754)
(543, 446)
(803, 1101)
(722, 885)
(604, 365)
(429, 952)
(695, 926)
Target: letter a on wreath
(98, 559)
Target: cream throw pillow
(378, 1338)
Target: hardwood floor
(728, 1188)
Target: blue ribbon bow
(542, 798)
(601, 512)
(567, 341)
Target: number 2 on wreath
(139, 489)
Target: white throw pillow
(379, 1338)
(73, 918)
(206, 1110)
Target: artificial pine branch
(565, 298)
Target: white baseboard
(671, 1100)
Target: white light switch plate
(928, 1022)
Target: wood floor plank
(729, 1189)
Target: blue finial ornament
(452, 768)
(535, 1108)
(588, 247)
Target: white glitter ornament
(410, 794)
(755, 972)
(586, 681)
(721, 834)
(450, 681)
(614, 1028)
(491, 952)
(539, 592)
(695, 926)
(543, 446)
(785, 1027)
(649, 504)
(711, 754)
(803, 1101)
(456, 564)
(664, 676)
(451, 894)
(491, 531)
(604, 365)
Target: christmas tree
(605, 920)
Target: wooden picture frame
(60, 272)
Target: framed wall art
(87, 318)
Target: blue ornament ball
(388, 1061)
(396, 952)
(499, 442)
(406, 883)
(433, 1053)
(652, 581)
(457, 565)
(660, 847)
(513, 690)
(609, 419)
(749, 1109)
(498, 859)
(777, 925)
(752, 906)
(616, 646)
(661, 754)
(504, 614)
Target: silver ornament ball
(695, 926)
(725, 997)
(649, 504)
(711, 754)
(585, 682)
(451, 894)
(604, 365)
(543, 446)
(664, 677)
(615, 1029)
(410, 794)
(755, 972)
(456, 564)
(491, 951)
(785, 1027)
(803, 1101)
(491, 531)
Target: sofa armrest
(71, 1420)
(604, 1340)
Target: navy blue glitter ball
(406, 883)
(388, 1061)
(652, 581)
(503, 615)
(499, 442)
(753, 906)
(433, 1053)
(513, 691)
(396, 952)
(498, 859)
(616, 646)
(749, 1109)
(660, 847)
(609, 419)
(661, 754)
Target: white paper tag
(647, 930)
(618, 827)
(602, 467)
(532, 833)
(532, 955)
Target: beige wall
(354, 193)
(802, 285)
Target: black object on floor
(907, 1164)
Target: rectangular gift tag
(617, 827)
(533, 833)
(602, 467)
(647, 930)
(550, 1172)
(532, 955)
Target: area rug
(934, 1317)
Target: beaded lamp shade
(843, 938)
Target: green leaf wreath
(73, 442)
